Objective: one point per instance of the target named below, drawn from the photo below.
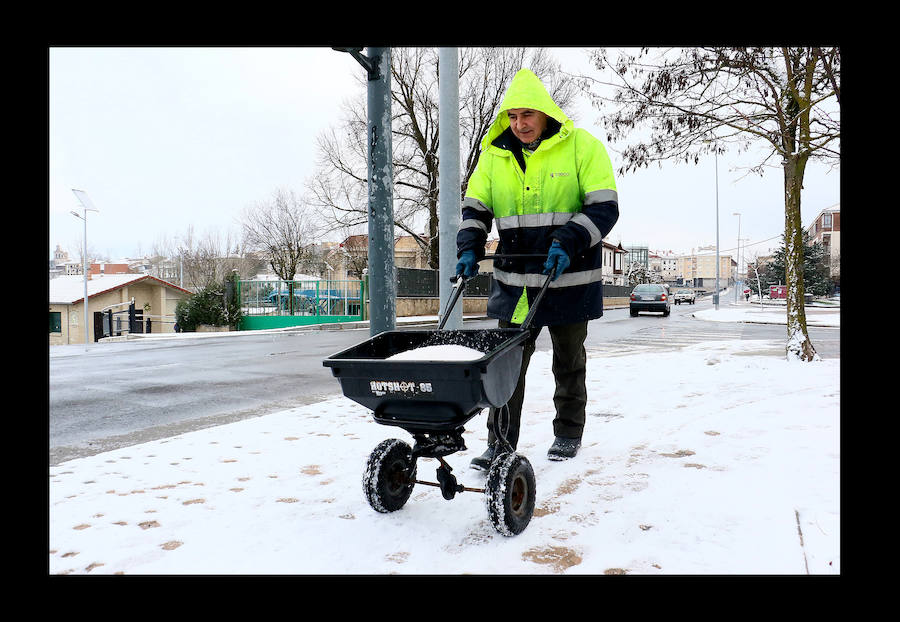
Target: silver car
(649, 297)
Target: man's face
(527, 125)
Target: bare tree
(339, 187)
(76, 250)
(204, 259)
(354, 251)
(698, 100)
(283, 229)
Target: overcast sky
(164, 138)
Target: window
(826, 221)
(55, 322)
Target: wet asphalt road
(120, 394)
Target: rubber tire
(510, 493)
(386, 484)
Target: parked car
(649, 297)
(685, 295)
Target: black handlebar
(460, 283)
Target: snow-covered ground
(769, 314)
(716, 459)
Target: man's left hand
(557, 258)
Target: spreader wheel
(510, 493)
(390, 476)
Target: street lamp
(738, 253)
(87, 206)
(716, 154)
(715, 143)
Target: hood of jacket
(525, 91)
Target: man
(550, 187)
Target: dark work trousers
(570, 396)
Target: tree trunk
(434, 248)
(799, 346)
(434, 256)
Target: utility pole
(87, 206)
(737, 273)
(382, 281)
(716, 296)
(448, 175)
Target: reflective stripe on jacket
(564, 190)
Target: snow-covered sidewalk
(769, 314)
(708, 460)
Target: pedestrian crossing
(667, 338)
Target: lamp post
(738, 254)
(714, 142)
(87, 206)
(716, 296)
(746, 273)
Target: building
(408, 253)
(155, 298)
(59, 262)
(61, 265)
(160, 267)
(348, 259)
(108, 268)
(826, 230)
(637, 255)
(665, 264)
(699, 271)
(753, 268)
(613, 264)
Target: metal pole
(716, 297)
(382, 281)
(85, 275)
(738, 253)
(383, 293)
(448, 175)
(88, 206)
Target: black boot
(563, 448)
(483, 462)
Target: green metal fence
(280, 304)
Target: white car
(685, 295)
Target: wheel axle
(447, 482)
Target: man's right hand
(468, 265)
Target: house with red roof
(153, 297)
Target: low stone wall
(409, 307)
(208, 328)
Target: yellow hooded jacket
(565, 190)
